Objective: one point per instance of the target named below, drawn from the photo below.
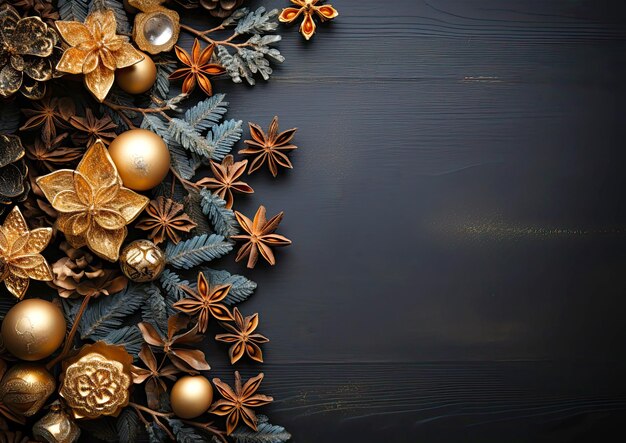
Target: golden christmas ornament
(141, 157)
(191, 396)
(138, 78)
(56, 427)
(95, 382)
(142, 261)
(96, 51)
(33, 329)
(20, 258)
(25, 388)
(94, 208)
(156, 28)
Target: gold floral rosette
(95, 382)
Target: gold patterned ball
(25, 388)
(191, 396)
(56, 427)
(141, 158)
(137, 78)
(142, 261)
(33, 329)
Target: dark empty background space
(458, 267)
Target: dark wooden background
(458, 268)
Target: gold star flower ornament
(94, 208)
(20, 253)
(96, 51)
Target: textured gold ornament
(95, 382)
(142, 261)
(33, 329)
(141, 157)
(96, 51)
(94, 208)
(25, 388)
(156, 28)
(191, 396)
(20, 258)
(56, 427)
(138, 78)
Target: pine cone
(81, 274)
(13, 171)
(221, 8)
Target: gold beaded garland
(138, 78)
(142, 261)
(191, 396)
(141, 158)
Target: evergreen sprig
(265, 433)
(197, 250)
(73, 10)
(222, 219)
(241, 287)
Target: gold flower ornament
(96, 51)
(94, 208)
(20, 253)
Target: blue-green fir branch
(197, 250)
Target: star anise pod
(50, 155)
(90, 128)
(51, 113)
(205, 302)
(243, 338)
(269, 147)
(154, 374)
(165, 217)
(238, 403)
(225, 180)
(187, 360)
(198, 68)
(307, 8)
(259, 237)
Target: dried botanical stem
(207, 427)
(155, 417)
(117, 107)
(185, 183)
(202, 35)
(70, 336)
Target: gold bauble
(142, 261)
(141, 157)
(138, 78)
(191, 396)
(26, 387)
(33, 329)
(56, 427)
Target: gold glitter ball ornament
(56, 427)
(95, 382)
(25, 388)
(33, 329)
(191, 396)
(138, 78)
(141, 157)
(142, 261)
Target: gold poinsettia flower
(20, 258)
(96, 51)
(94, 208)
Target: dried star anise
(243, 338)
(51, 113)
(90, 128)
(259, 237)
(187, 360)
(268, 147)
(198, 68)
(51, 155)
(155, 386)
(238, 403)
(307, 8)
(205, 302)
(225, 180)
(164, 218)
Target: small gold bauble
(142, 261)
(191, 396)
(137, 78)
(26, 387)
(56, 427)
(141, 158)
(33, 329)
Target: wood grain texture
(456, 202)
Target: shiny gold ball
(138, 78)
(25, 388)
(33, 329)
(141, 157)
(56, 427)
(142, 261)
(191, 396)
